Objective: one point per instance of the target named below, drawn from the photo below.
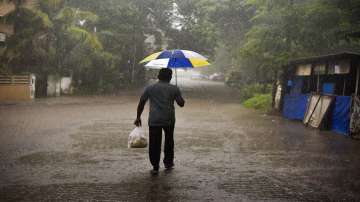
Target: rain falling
(179, 100)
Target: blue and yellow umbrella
(175, 59)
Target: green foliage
(257, 37)
(249, 91)
(235, 79)
(44, 18)
(260, 102)
(121, 29)
(62, 45)
(71, 16)
(77, 35)
(51, 6)
(101, 42)
(31, 27)
(197, 32)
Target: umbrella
(175, 59)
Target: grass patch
(251, 90)
(260, 102)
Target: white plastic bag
(137, 138)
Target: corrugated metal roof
(323, 58)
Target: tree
(123, 26)
(30, 26)
(195, 31)
(103, 41)
(59, 43)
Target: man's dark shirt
(162, 96)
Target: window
(303, 70)
(320, 69)
(340, 67)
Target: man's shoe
(154, 171)
(169, 166)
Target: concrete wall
(15, 92)
(66, 85)
(17, 87)
(57, 86)
(53, 86)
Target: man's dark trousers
(155, 135)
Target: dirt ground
(75, 149)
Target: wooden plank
(15, 79)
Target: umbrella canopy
(175, 59)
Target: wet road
(75, 148)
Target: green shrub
(234, 79)
(249, 91)
(260, 102)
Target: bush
(234, 79)
(249, 91)
(260, 102)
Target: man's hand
(137, 122)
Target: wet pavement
(75, 149)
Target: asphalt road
(75, 149)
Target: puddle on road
(207, 142)
(259, 187)
(102, 136)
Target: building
(20, 86)
(6, 29)
(6, 8)
(323, 92)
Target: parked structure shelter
(323, 92)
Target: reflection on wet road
(73, 148)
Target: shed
(323, 92)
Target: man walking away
(161, 117)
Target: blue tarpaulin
(295, 106)
(297, 86)
(341, 115)
(328, 88)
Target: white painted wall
(53, 86)
(66, 85)
(32, 85)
